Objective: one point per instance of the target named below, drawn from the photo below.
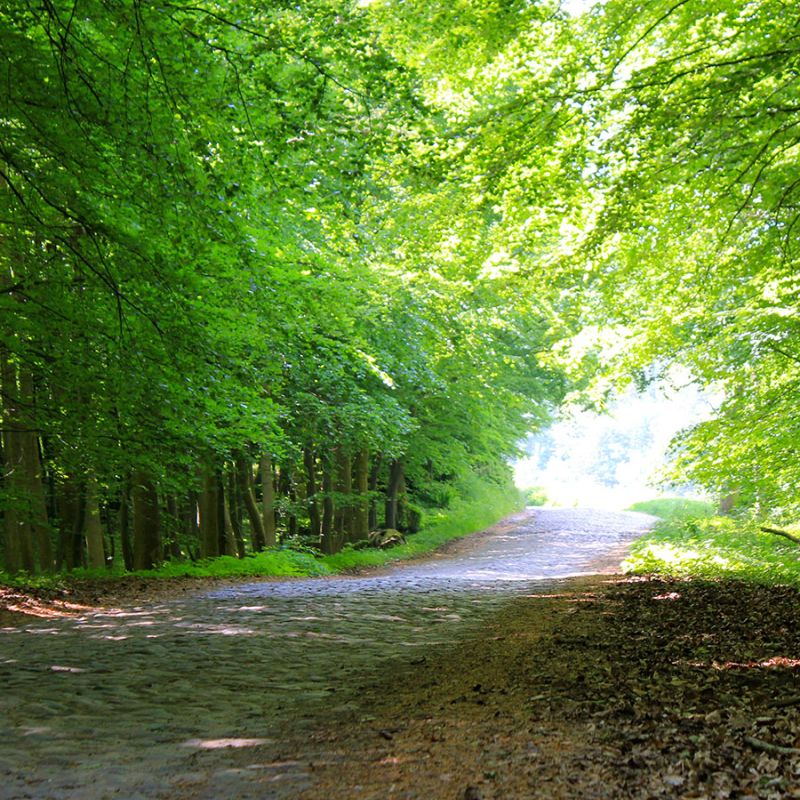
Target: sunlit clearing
(610, 460)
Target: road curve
(148, 702)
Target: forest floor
(432, 681)
(606, 688)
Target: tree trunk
(402, 505)
(288, 491)
(92, 526)
(244, 471)
(361, 506)
(208, 503)
(225, 545)
(146, 531)
(268, 501)
(190, 524)
(392, 492)
(125, 526)
(314, 522)
(70, 522)
(18, 533)
(344, 488)
(374, 474)
(232, 538)
(173, 546)
(328, 543)
(34, 486)
(11, 515)
(728, 503)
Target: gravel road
(154, 701)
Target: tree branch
(785, 534)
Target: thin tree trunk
(208, 503)
(268, 501)
(402, 505)
(230, 547)
(392, 492)
(238, 512)
(125, 526)
(374, 474)
(175, 523)
(315, 524)
(146, 531)
(288, 491)
(225, 545)
(328, 542)
(92, 526)
(190, 525)
(244, 471)
(344, 488)
(361, 505)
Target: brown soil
(607, 689)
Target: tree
(235, 233)
(696, 222)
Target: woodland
(288, 273)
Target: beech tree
(695, 225)
(636, 167)
(222, 320)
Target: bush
(534, 496)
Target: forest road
(202, 697)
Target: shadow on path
(148, 702)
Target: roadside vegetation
(693, 542)
(486, 505)
(675, 508)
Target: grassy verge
(674, 508)
(713, 548)
(485, 506)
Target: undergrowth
(713, 548)
(485, 506)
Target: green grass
(485, 506)
(713, 548)
(674, 508)
(279, 563)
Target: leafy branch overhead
(292, 273)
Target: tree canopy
(298, 271)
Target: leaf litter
(618, 688)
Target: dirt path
(603, 688)
(226, 694)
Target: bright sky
(577, 7)
(609, 461)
